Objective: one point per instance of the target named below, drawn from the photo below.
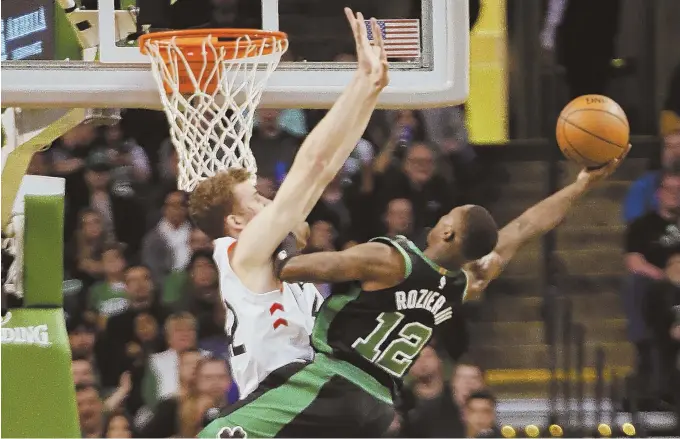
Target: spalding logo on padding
(228, 432)
(25, 335)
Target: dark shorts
(325, 398)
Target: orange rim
(190, 42)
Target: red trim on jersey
(230, 249)
(275, 307)
(278, 322)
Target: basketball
(592, 130)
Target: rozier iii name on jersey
(431, 301)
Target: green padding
(38, 397)
(43, 250)
(67, 42)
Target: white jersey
(265, 331)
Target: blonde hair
(213, 199)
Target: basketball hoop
(211, 82)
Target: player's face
(446, 227)
(250, 201)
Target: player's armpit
(372, 262)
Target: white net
(12, 248)
(210, 93)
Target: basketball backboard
(37, 36)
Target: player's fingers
(363, 31)
(379, 40)
(377, 33)
(353, 24)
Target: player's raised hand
(371, 56)
(593, 176)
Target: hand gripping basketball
(591, 176)
(371, 56)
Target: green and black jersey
(382, 332)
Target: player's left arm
(533, 223)
(375, 264)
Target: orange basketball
(592, 130)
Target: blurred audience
(651, 240)
(480, 415)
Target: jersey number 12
(398, 355)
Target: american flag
(402, 37)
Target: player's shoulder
(223, 245)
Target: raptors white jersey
(265, 331)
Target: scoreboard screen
(27, 29)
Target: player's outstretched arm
(323, 152)
(533, 223)
(375, 264)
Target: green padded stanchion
(38, 396)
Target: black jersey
(382, 332)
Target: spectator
(82, 338)
(162, 374)
(122, 215)
(83, 374)
(173, 286)
(133, 335)
(274, 149)
(661, 305)
(107, 297)
(199, 241)
(84, 253)
(213, 383)
(130, 162)
(90, 411)
(585, 42)
(641, 196)
(201, 296)
(183, 415)
(68, 155)
(436, 413)
(166, 247)
(480, 415)
(650, 241)
(165, 420)
(118, 425)
(82, 371)
(399, 218)
(418, 182)
(407, 129)
(467, 378)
